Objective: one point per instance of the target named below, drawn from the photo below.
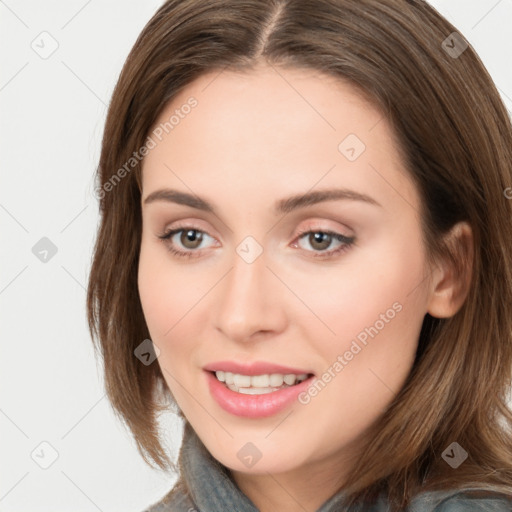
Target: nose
(250, 301)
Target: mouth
(259, 384)
(258, 395)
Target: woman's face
(242, 154)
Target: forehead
(271, 127)
(270, 97)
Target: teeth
(255, 391)
(277, 379)
(241, 381)
(258, 382)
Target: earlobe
(451, 280)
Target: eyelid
(187, 225)
(325, 225)
(319, 225)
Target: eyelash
(347, 242)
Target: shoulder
(463, 500)
(476, 501)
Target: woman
(305, 245)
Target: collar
(210, 486)
(205, 485)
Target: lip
(254, 406)
(255, 368)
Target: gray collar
(212, 488)
(206, 485)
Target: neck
(305, 488)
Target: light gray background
(52, 115)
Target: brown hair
(456, 140)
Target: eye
(190, 238)
(320, 240)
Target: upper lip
(254, 368)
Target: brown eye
(191, 238)
(320, 240)
(184, 241)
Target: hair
(455, 138)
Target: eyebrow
(281, 206)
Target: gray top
(211, 489)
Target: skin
(251, 140)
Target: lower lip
(254, 406)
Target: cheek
(173, 304)
(374, 299)
(157, 302)
(166, 293)
(161, 304)
(377, 321)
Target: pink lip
(254, 406)
(256, 368)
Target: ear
(450, 282)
